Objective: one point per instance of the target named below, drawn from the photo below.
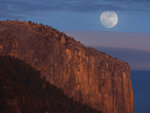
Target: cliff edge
(83, 73)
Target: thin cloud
(24, 6)
(137, 59)
(11, 9)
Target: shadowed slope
(23, 91)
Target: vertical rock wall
(83, 73)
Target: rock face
(83, 73)
(22, 90)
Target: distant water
(141, 87)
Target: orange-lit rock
(85, 74)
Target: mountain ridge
(89, 76)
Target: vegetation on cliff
(23, 91)
(83, 73)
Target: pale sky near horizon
(140, 41)
(133, 48)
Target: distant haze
(113, 39)
(138, 59)
(134, 48)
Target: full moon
(109, 19)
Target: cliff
(23, 91)
(83, 73)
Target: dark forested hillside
(23, 91)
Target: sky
(131, 47)
(80, 15)
(81, 20)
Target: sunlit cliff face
(83, 73)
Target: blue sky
(80, 15)
(81, 20)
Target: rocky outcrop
(22, 90)
(83, 73)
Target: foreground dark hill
(83, 73)
(23, 91)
